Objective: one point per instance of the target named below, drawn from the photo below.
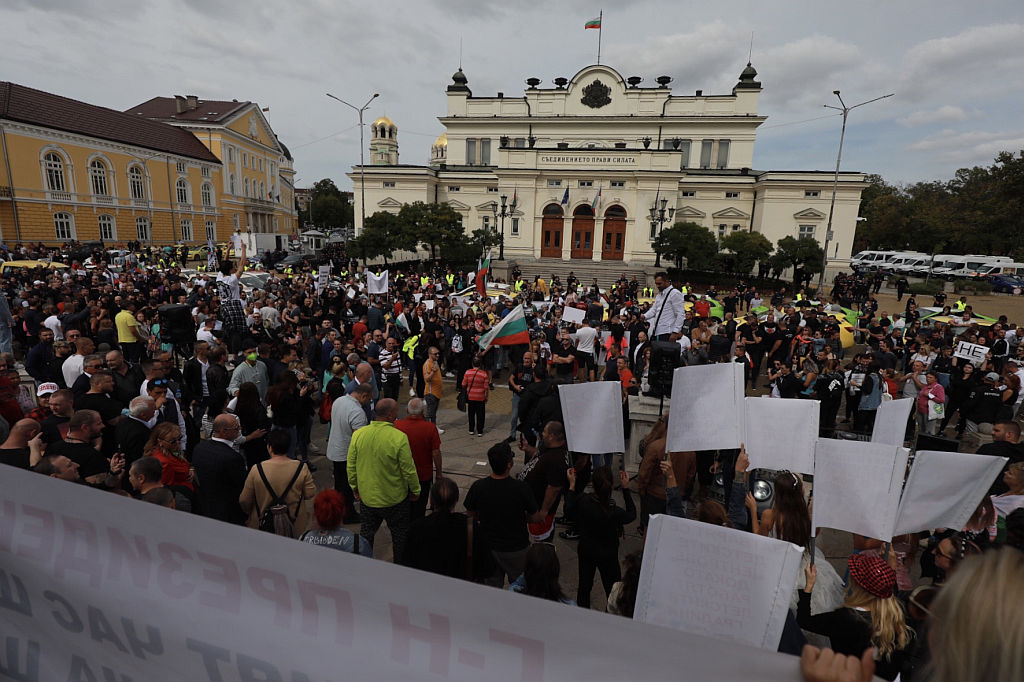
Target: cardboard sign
(891, 421)
(766, 449)
(857, 486)
(593, 416)
(572, 315)
(711, 580)
(707, 408)
(972, 352)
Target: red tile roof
(166, 109)
(35, 107)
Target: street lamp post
(506, 210)
(835, 179)
(658, 216)
(362, 164)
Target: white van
(898, 263)
(869, 259)
(973, 265)
(1011, 268)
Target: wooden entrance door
(551, 227)
(614, 233)
(582, 236)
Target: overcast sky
(956, 67)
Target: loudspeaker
(926, 442)
(665, 357)
(176, 324)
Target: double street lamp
(658, 212)
(506, 210)
(362, 164)
(835, 180)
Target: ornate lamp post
(658, 211)
(506, 210)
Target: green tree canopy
(687, 240)
(432, 225)
(745, 250)
(803, 255)
(329, 207)
(384, 233)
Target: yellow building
(75, 171)
(257, 183)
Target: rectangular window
(705, 153)
(231, 154)
(554, 183)
(142, 232)
(211, 231)
(806, 231)
(261, 165)
(811, 193)
(684, 160)
(519, 142)
(388, 184)
(617, 183)
(245, 160)
(721, 230)
(735, 228)
(723, 154)
(108, 233)
(515, 227)
(63, 226)
(654, 231)
(586, 183)
(454, 188)
(470, 151)
(206, 171)
(486, 222)
(492, 190)
(186, 230)
(236, 222)
(485, 151)
(688, 193)
(732, 195)
(180, 167)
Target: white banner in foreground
(592, 414)
(891, 419)
(94, 586)
(766, 449)
(710, 580)
(707, 410)
(944, 489)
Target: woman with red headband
(871, 616)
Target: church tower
(383, 142)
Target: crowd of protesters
(189, 389)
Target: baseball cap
(47, 388)
(992, 376)
(874, 574)
(38, 282)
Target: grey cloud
(970, 57)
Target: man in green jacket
(383, 476)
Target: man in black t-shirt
(62, 408)
(520, 377)
(545, 474)
(95, 469)
(563, 358)
(23, 447)
(503, 505)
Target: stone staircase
(605, 271)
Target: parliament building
(587, 159)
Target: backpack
(457, 343)
(325, 408)
(275, 517)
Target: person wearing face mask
(251, 371)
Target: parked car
(1006, 284)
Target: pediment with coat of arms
(596, 95)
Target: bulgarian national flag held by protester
(481, 275)
(509, 332)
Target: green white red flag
(593, 23)
(509, 332)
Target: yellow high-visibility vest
(450, 278)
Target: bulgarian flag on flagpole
(510, 331)
(481, 275)
(593, 23)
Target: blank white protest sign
(891, 421)
(765, 446)
(944, 489)
(707, 410)
(857, 486)
(716, 581)
(574, 315)
(593, 416)
(375, 284)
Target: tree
(804, 255)
(329, 207)
(746, 248)
(687, 240)
(432, 225)
(383, 234)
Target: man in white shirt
(347, 415)
(586, 338)
(205, 333)
(52, 322)
(668, 311)
(74, 366)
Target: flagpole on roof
(600, 28)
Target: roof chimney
(193, 102)
(179, 102)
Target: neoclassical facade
(587, 159)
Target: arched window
(206, 192)
(136, 184)
(98, 178)
(232, 185)
(553, 210)
(142, 231)
(181, 189)
(64, 226)
(54, 165)
(584, 210)
(108, 229)
(615, 212)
